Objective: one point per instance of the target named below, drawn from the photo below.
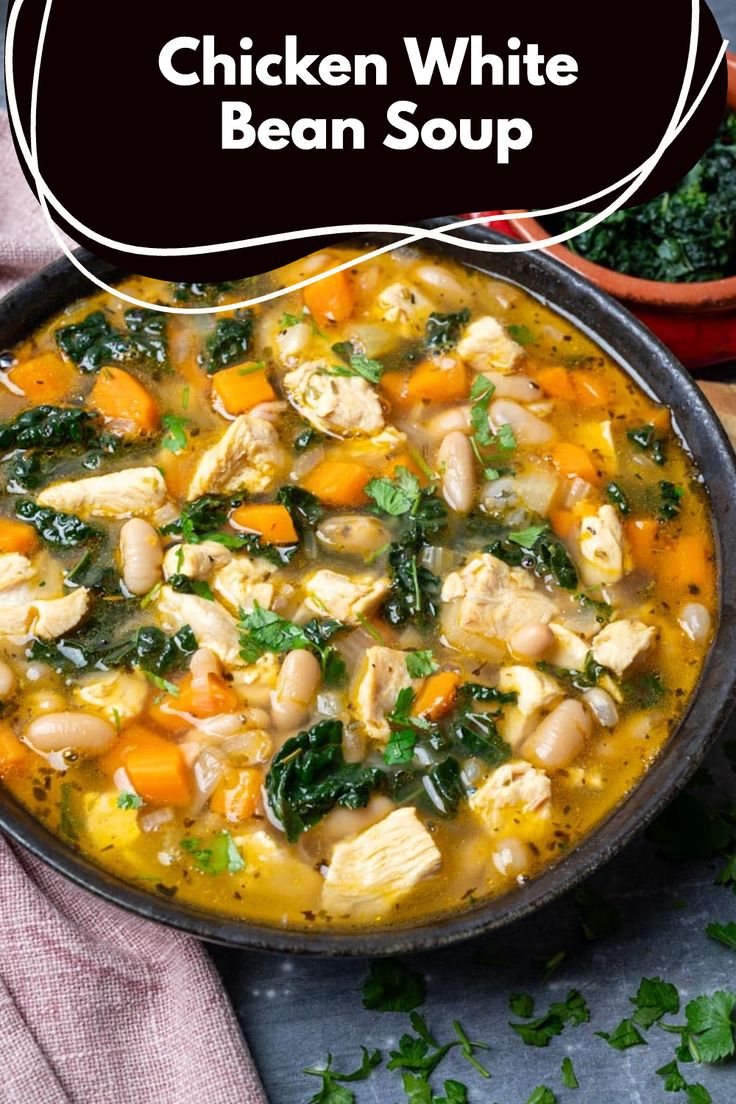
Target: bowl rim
(663, 377)
(708, 295)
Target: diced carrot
(158, 713)
(16, 536)
(660, 418)
(132, 737)
(590, 390)
(242, 387)
(119, 396)
(339, 482)
(237, 794)
(44, 379)
(206, 696)
(159, 775)
(404, 460)
(331, 299)
(687, 565)
(563, 522)
(271, 521)
(572, 460)
(443, 380)
(557, 383)
(642, 535)
(13, 754)
(577, 387)
(437, 696)
(178, 469)
(394, 386)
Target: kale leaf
(309, 776)
(540, 551)
(229, 344)
(93, 342)
(49, 427)
(65, 530)
(442, 331)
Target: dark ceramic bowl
(664, 378)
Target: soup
(353, 609)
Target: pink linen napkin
(98, 1006)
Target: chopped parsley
(176, 435)
(128, 800)
(573, 1010)
(263, 630)
(567, 1074)
(332, 1091)
(522, 335)
(218, 856)
(420, 664)
(624, 1036)
(723, 933)
(392, 986)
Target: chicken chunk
(569, 650)
(248, 457)
(485, 345)
(56, 616)
(516, 785)
(384, 675)
(618, 645)
(381, 864)
(196, 561)
(534, 689)
(493, 600)
(601, 547)
(342, 406)
(401, 303)
(135, 492)
(342, 597)
(15, 569)
(119, 695)
(244, 581)
(212, 625)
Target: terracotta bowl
(697, 321)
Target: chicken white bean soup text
(353, 609)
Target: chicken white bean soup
(353, 609)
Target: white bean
(457, 417)
(299, 677)
(80, 731)
(456, 464)
(512, 857)
(353, 534)
(602, 706)
(203, 663)
(7, 680)
(141, 555)
(45, 701)
(346, 822)
(531, 641)
(509, 386)
(528, 429)
(695, 621)
(559, 738)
